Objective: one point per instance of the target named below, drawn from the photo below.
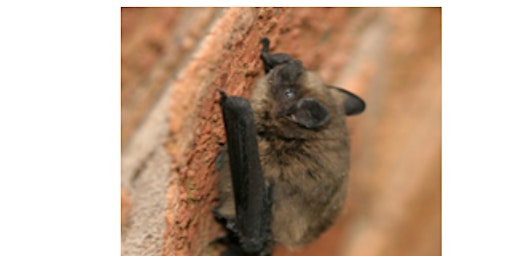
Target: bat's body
(303, 148)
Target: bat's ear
(352, 103)
(309, 113)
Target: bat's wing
(252, 197)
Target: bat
(283, 177)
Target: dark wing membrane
(252, 198)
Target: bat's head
(292, 95)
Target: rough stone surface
(145, 179)
(173, 59)
(155, 43)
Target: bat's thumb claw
(266, 44)
(223, 96)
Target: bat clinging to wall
(284, 178)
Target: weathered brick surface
(155, 42)
(389, 56)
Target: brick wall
(173, 59)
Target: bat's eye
(289, 93)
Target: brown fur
(307, 168)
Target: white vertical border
(60, 128)
(477, 128)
